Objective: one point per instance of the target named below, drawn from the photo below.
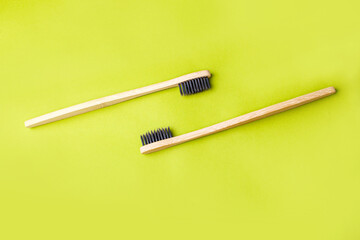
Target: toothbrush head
(156, 135)
(195, 85)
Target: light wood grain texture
(247, 118)
(111, 100)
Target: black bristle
(156, 135)
(181, 90)
(147, 138)
(205, 83)
(152, 137)
(187, 88)
(195, 85)
(163, 135)
(166, 133)
(208, 83)
(192, 87)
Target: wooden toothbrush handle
(247, 118)
(111, 100)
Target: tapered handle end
(332, 90)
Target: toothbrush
(188, 84)
(162, 138)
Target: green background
(291, 176)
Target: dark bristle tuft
(156, 135)
(195, 85)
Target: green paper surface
(294, 175)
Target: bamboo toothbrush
(188, 84)
(162, 138)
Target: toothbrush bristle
(195, 85)
(154, 136)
